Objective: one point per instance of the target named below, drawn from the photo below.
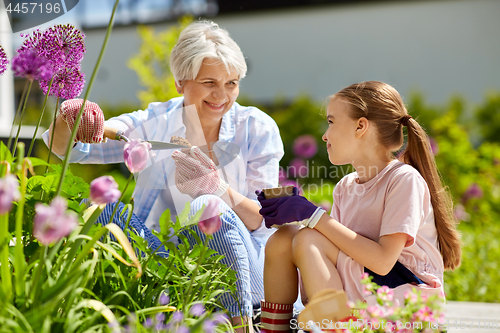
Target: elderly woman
(241, 143)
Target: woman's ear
(362, 127)
(179, 87)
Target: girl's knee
(280, 243)
(309, 242)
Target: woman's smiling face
(213, 91)
(340, 134)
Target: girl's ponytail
(418, 154)
(381, 104)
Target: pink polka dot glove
(91, 129)
(196, 174)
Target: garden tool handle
(114, 134)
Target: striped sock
(275, 317)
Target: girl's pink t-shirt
(397, 200)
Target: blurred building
(316, 47)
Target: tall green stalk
(40, 118)
(18, 112)
(4, 256)
(89, 88)
(52, 136)
(20, 262)
(22, 116)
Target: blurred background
(443, 56)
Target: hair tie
(405, 119)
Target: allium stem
(40, 118)
(19, 261)
(121, 198)
(52, 137)
(22, 117)
(4, 256)
(89, 88)
(18, 112)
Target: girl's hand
(289, 210)
(196, 174)
(91, 129)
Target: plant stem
(4, 256)
(89, 88)
(52, 136)
(18, 112)
(19, 261)
(121, 198)
(37, 280)
(188, 297)
(22, 116)
(40, 118)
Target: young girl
(391, 218)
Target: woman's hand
(289, 210)
(91, 128)
(196, 174)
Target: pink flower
(434, 146)
(104, 190)
(52, 223)
(411, 297)
(385, 294)
(298, 168)
(375, 311)
(136, 155)
(460, 213)
(424, 314)
(473, 192)
(282, 175)
(210, 221)
(305, 146)
(8, 193)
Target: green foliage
(488, 117)
(152, 63)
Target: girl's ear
(179, 87)
(362, 127)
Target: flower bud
(52, 223)
(210, 221)
(8, 193)
(136, 155)
(104, 190)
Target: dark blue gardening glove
(295, 210)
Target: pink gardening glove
(196, 174)
(91, 129)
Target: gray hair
(200, 40)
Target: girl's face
(340, 136)
(213, 91)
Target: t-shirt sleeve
(405, 206)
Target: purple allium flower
(220, 318)
(9, 192)
(177, 317)
(31, 66)
(182, 329)
(298, 168)
(52, 223)
(136, 155)
(197, 310)
(68, 83)
(104, 190)
(210, 221)
(434, 146)
(164, 299)
(34, 43)
(305, 146)
(3, 60)
(148, 322)
(160, 317)
(64, 45)
(473, 192)
(209, 326)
